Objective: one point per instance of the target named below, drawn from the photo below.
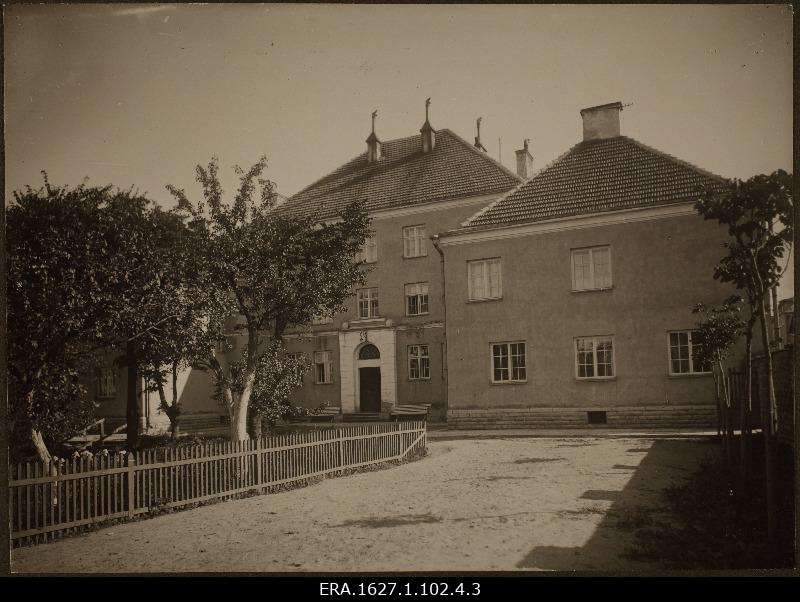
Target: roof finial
(525, 143)
(478, 143)
(373, 143)
(427, 131)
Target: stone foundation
(667, 417)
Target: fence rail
(46, 501)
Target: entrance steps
(362, 417)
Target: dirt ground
(499, 504)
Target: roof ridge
(675, 159)
(484, 155)
(467, 223)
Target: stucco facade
(662, 262)
(200, 409)
(392, 331)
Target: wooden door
(370, 389)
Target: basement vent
(597, 417)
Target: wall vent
(597, 417)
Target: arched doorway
(369, 379)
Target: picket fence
(64, 497)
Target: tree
(189, 325)
(185, 340)
(735, 268)
(91, 269)
(277, 375)
(58, 307)
(717, 332)
(759, 216)
(146, 288)
(278, 269)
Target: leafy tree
(758, 213)
(277, 375)
(58, 308)
(91, 269)
(717, 333)
(735, 268)
(145, 287)
(191, 325)
(278, 269)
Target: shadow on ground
(625, 513)
(393, 521)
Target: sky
(138, 95)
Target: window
(107, 383)
(417, 299)
(369, 252)
(594, 357)
(508, 362)
(369, 352)
(319, 320)
(419, 362)
(683, 350)
(368, 303)
(591, 269)
(414, 242)
(323, 367)
(485, 280)
(299, 368)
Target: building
(569, 299)
(200, 411)
(388, 347)
(556, 299)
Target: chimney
(373, 144)
(427, 131)
(524, 161)
(601, 121)
(478, 144)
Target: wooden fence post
(259, 474)
(341, 450)
(131, 485)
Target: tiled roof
(405, 176)
(595, 176)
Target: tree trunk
(776, 325)
(132, 402)
(174, 427)
(239, 417)
(41, 447)
(719, 403)
(745, 409)
(175, 411)
(726, 413)
(768, 429)
(240, 405)
(772, 409)
(255, 423)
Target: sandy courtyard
(475, 504)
